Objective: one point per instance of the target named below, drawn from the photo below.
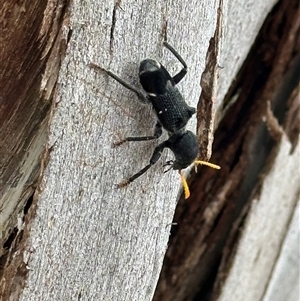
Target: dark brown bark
(30, 55)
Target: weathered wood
(264, 232)
(30, 55)
(22, 110)
(90, 240)
(284, 283)
(83, 238)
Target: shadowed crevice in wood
(209, 223)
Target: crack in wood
(113, 25)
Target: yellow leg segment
(184, 182)
(185, 185)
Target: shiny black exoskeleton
(172, 112)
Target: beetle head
(149, 65)
(185, 149)
(154, 78)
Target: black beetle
(172, 112)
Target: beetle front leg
(179, 76)
(157, 134)
(139, 94)
(155, 157)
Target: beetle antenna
(197, 162)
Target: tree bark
(84, 239)
(30, 53)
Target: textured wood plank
(265, 230)
(284, 284)
(242, 21)
(90, 240)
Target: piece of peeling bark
(206, 108)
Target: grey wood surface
(89, 240)
(284, 283)
(254, 274)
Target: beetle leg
(157, 134)
(185, 185)
(155, 157)
(179, 76)
(139, 94)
